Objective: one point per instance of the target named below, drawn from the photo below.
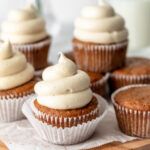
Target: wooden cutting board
(3, 146)
(143, 144)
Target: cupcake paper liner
(67, 135)
(36, 53)
(101, 86)
(10, 108)
(99, 58)
(67, 122)
(118, 81)
(132, 122)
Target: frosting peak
(97, 12)
(6, 51)
(64, 68)
(14, 69)
(100, 24)
(104, 3)
(63, 86)
(24, 26)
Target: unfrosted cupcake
(100, 39)
(16, 83)
(132, 106)
(135, 71)
(25, 29)
(65, 104)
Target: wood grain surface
(143, 144)
(3, 146)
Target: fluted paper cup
(10, 108)
(118, 80)
(68, 135)
(36, 53)
(132, 122)
(99, 58)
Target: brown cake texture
(132, 106)
(98, 83)
(137, 98)
(22, 90)
(95, 76)
(135, 66)
(135, 71)
(77, 116)
(101, 58)
(36, 53)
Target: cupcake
(100, 39)
(99, 83)
(135, 71)
(16, 83)
(132, 106)
(65, 104)
(25, 29)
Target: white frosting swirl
(63, 86)
(14, 69)
(24, 26)
(100, 24)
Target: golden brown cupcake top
(135, 66)
(23, 90)
(94, 76)
(137, 98)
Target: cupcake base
(11, 101)
(10, 108)
(132, 122)
(99, 58)
(72, 135)
(66, 118)
(36, 53)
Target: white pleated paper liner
(10, 108)
(99, 58)
(132, 122)
(67, 135)
(36, 53)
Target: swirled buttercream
(23, 26)
(63, 86)
(14, 69)
(100, 24)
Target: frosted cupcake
(16, 83)
(65, 101)
(25, 29)
(100, 39)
